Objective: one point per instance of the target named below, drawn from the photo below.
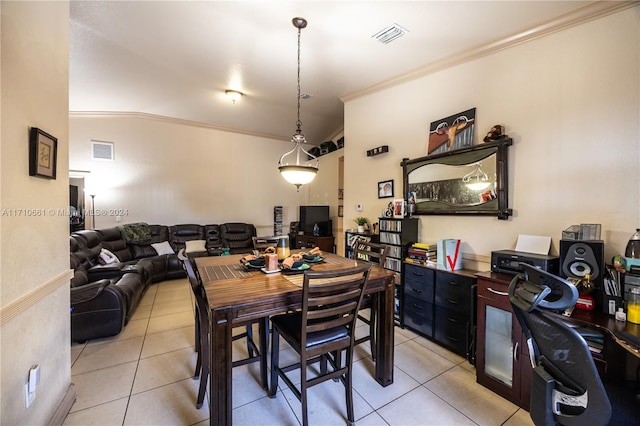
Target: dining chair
(377, 254)
(320, 332)
(260, 243)
(256, 353)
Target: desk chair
(320, 332)
(566, 388)
(257, 353)
(373, 253)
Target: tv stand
(310, 241)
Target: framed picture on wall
(398, 208)
(43, 154)
(385, 189)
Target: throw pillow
(106, 257)
(194, 246)
(163, 248)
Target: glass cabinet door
(498, 347)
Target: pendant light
(476, 180)
(298, 166)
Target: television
(310, 215)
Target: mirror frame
(457, 157)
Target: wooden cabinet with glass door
(502, 356)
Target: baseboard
(64, 407)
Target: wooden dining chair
(256, 353)
(377, 254)
(320, 332)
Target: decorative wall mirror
(471, 180)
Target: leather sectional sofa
(104, 295)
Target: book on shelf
(425, 246)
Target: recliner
(566, 387)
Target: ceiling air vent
(392, 32)
(102, 150)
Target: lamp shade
(298, 175)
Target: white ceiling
(176, 58)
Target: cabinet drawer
(419, 282)
(452, 329)
(454, 292)
(452, 289)
(418, 315)
(497, 292)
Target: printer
(508, 261)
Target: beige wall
(570, 101)
(165, 171)
(34, 247)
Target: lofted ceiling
(177, 58)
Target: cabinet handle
(415, 290)
(499, 293)
(415, 305)
(515, 351)
(453, 302)
(453, 320)
(454, 283)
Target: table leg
(384, 334)
(221, 365)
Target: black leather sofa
(105, 296)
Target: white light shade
(234, 95)
(298, 175)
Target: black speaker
(578, 258)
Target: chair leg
(303, 389)
(197, 330)
(348, 388)
(275, 362)
(204, 356)
(198, 344)
(250, 338)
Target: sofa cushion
(163, 248)
(195, 246)
(140, 251)
(112, 240)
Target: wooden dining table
(237, 295)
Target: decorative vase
(361, 229)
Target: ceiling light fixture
(476, 180)
(234, 95)
(298, 166)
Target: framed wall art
(43, 154)
(398, 208)
(385, 189)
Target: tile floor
(143, 376)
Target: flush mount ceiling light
(298, 167)
(476, 180)
(234, 95)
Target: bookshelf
(398, 234)
(277, 221)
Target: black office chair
(257, 353)
(566, 388)
(321, 331)
(377, 254)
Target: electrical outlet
(118, 218)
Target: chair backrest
(371, 252)
(263, 242)
(197, 288)
(331, 300)
(566, 388)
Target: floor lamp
(93, 211)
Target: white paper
(533, 244)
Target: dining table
(238, 294)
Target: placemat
(297, 279)
(223, 272)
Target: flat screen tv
(310, 215)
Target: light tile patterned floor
(143, 376)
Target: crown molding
(171, 120)
(581, 15)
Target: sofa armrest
(87, 292)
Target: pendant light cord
(299, 122)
